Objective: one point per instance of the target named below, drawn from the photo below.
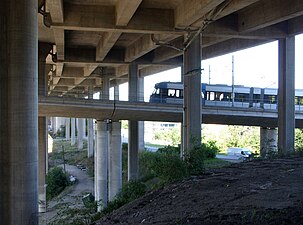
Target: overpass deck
(145, 111)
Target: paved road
(72, 197)
(230, 158)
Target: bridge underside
(95, 44)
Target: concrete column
(101, 192)
(115, 161)
(80, 123)
(73, 131)
(192, 95)
(90, 126)
(182, 145)
(133, 130)
(141, 123)
(105, 88)
(43, 50)
(116, 93)
(67, 129)
(18, 112)
(286, 96)
(268, 141)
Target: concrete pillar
(43, 50)
(101, 191)
(286, 95)
(182, 145)
(73, 131)
(268, 141)
(115, 161)
(133, 131)
(141, 123)
(192, 95)
(67, 129)
(18, 112)
(81, 124)
(105, 88)
(90, 126)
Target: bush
(56, 180)
(170, 150)
(165, 165)
(210, 150)
(195, 161)
(130, 191)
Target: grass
(153, 145)
(215, 163)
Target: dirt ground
(257, 192)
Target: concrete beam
(190, 11)
(59, 40)
(125, 11)
(105, 44)
(228, 27)
(56, 10)
(267, 12)
(230, 46)
(102, 18)
(139, 48)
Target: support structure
(101, 190)
(105, 88)
(90, 126)
(133, 130)
(192, 118)
(43, 50)
(268, 141)
(73, 131)
(115, 161)
(80, 129)
(67, 129)
(19, 112)
(286, 95)
(141, 123)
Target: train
(222, 95)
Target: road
(71, 197)
(230, 158)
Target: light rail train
(221, 95)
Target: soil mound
(256, 192)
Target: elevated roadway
(145, 111)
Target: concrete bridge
(145, 111)
(63, 47)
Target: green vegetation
(64, 152)
(156, 170)
(57, 180)
(171, 136)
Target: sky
(253, 67)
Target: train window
(270, 99)
(257, 98)
(171, 93)
(163, 92)
(210, 96)
(241, 97)
(218, 96)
